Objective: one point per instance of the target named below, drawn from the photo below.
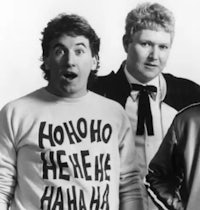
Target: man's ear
(125, 42)
(94, 63)
(46, 63)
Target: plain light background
(21, 23)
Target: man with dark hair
(62, 146)
(150, 97)
(73, 26)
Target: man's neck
(132, 79)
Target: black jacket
(180, 92)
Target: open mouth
(70, 75)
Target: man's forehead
(66, 39)
(153, 35)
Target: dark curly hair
(152, 16)
(72, 25)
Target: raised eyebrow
(61, 45)
(81, 44)
(57, 45)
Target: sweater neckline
(66, 99)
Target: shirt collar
(159, 82)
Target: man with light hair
(151, 98)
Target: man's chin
(150, 76)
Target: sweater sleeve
(131, 186)
(7, 158)
(164, 177)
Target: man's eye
(145, 44)
(79, 52)
(59, 51)
(164, 47)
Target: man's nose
(154, 52)
(70, 58)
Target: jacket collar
(123, 89)
(122, 86)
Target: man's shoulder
(22, 101)
(106, 78)
(109, 106)
(175, 80)
(104, 83)
(104, 101)
(181, 92)
(109, 81)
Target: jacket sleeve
(165, 174)
(7, 159)
(132, 189)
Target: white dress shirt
(162, 115)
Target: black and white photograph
(99, 105)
